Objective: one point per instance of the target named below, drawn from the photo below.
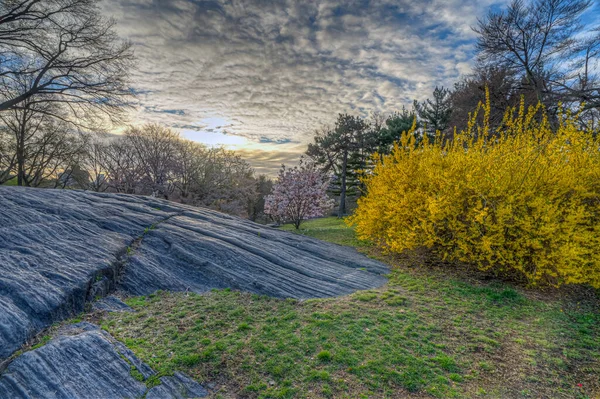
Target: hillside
(65, 252)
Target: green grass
(42, 341)
(330, 229)
(11, 182)
(425, 334)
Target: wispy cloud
(273, 71)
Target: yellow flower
(524, 199)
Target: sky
(260, 76)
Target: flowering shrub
(523, 201)
(298, 194)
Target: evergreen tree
(435, 114)
(395, 125)
(344, 151)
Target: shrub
(523, 201)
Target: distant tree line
(147, 160)
(538, 51)
(154, 160)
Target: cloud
(276, 70)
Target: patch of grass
(43, 341)
(427, 333)
(366, 296)
(11, 182)
(324, 356)
(136, 374)
(152, 381)
(330, 229)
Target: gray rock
(61, 248)
(85, 362)
(86, 365)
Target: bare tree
(226, 181)
(155, 147)
(66, 52)
(256, 201)
(119, 160)
(214, 177)
(8, 155)
(42, 145)
(544, 43)
(505, 90)
(94, 161)
(155, 160)
(190, 164)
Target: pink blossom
(299, 194)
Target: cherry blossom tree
(299, 194)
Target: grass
(11, 182)
(329, 229)
(424, 334)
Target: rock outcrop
(62, 249)
(85, 362)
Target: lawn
(426, 333)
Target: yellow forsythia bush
(523, 201)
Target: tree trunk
(21, 150)
(342, 209)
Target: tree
(256, 202)
(190, 163)
(41, 145)
(120, 162)
(63, 51)
(8, 156)
(505, 90)
(395, 125)
(298, 194)
(333, 148)
(228, 182)
(544, 43)
(435, 114)
(155, 148)
(93, 162)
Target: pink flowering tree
(299, 194)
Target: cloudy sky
(260, 76)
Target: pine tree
(395, 125)
(435, 114)
(344, 151)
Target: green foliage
(344, 151)
(330, 229)
(435, 114)
(324, 356)
(135, 373)
(395, 125)
(11, 182)
(442, 337)
(43, 341)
